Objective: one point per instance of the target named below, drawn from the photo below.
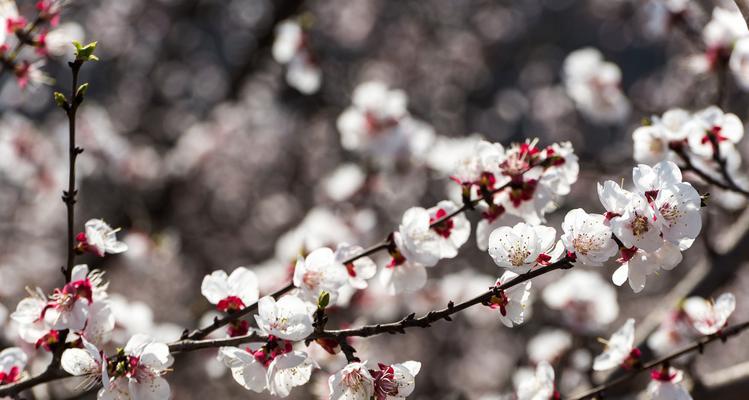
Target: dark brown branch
(51, 374)
(400, 326)
(69, 196)
(384, 245)
(425, 321)
(698, 345)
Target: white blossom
(538, 387)
(586, 302)
(452, 233)
(289, 318)
(359, 271)
(709, 317)
(231, 292)
(711, 127)
(511, 303)
(666, 385)
(101, 238)
(396, 381)
(642, 264)
(618, 348)
(418, 242)
(353, 382)
(594, 86)
(588, 237)
(13, 360)
(522, 247)
(145, 361)
(319, 272)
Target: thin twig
(399, 326)
(69, 196)
(729, 183)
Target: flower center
(669, 213)
(272, 349)
(500, 301)
(376, 125)
(518, 254)
(229, 304)
(384, 382)
(639, 225)
(312, 279)
(444, 228)
(353, 379)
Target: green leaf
(60, 99)
(82, 90)
(85, 53)
(323, 300)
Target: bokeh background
(198, 148)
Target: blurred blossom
(586, 302)
(595, 86)
(549, 346)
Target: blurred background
(196, 145)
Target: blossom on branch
(273, 366)
(233, 292)
(134, 372)
(359, 271)
(100, 239)
(12, 363)
(523, 247)
(707, 316)
(317, 273)
(385, 382)
(588, 237)
(289, 318)
(666, 384)
(540, 386)
(511, 303)
(619, 349)
(291, 48)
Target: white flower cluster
(654, 223)
(291, 48)
(595, 86)
(83, 309)
(357, 382)
(704, 136)
(726, 39)
(527, 181)
(378, 125)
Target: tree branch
(400, 326)
(384, 245)
(729, 183)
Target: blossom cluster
(705, 316)
(44, 34)
(708, 137)
(79, 318)
(292, 48)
